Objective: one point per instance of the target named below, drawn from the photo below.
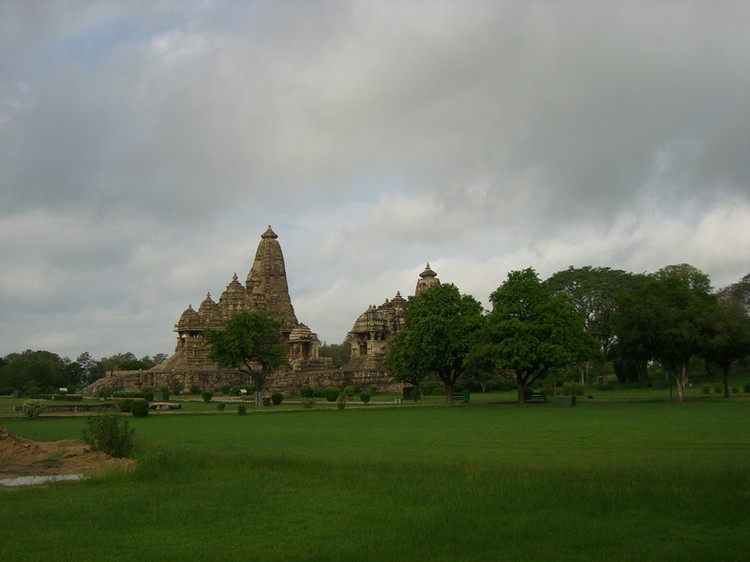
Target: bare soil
(22, 457)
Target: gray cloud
(144, 147)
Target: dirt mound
(22, 457)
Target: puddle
(33, 480)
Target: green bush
(308, 402)
(341, 402)
(148, 394)
(242, 409)
(364, 396)
(548, 389)
(746, 387)
(706, 388)
(220, 406)
(109, 433)
(139, 408)
(350, 390)
(276, 398)
(125, 405)
(176, 386)
(717, 389)
(307, 391)
(373, 389)
(735, 390)
(33, 408)
(331, 393)
(195, 389)
(572, 388)
(207, 395)
(226, 389)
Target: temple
(373, 331)
(266, 289)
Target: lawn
(614, 481)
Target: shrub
(373, 389)
(242, 409)
(341, 402)
(276, 398)
(706, 388)
(226, 389)
(717, 388)
(148, 394)
(572, 388)
(34, 408)
(349, 390)
(109, 433)
(548, 389)
(364, 396)
(139, 408)
(125, 405)
(308, 402)
(735, 390)
(746, 387)
(176, 386)
(207, 395)
(307, 391)
(331, 393)
(220, 406)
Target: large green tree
(530, 330)
(251, 343)
(667, 319)
(440, 327)
(593, 292)
(728, 333)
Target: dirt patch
(22, 457)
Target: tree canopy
(667, 319)
(441, 325)
(251, 343)
(593, 292)
(531, 331)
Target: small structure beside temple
(373, 331)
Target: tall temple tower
(266, 289)
(266, 283)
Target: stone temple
(266, 289)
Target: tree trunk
(601, 362)
(725, 370)
(521, 390)
(449, 392)
(681, 380)
(643, 373)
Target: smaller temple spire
(427, 279)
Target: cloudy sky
(146, 146)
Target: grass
(613, 481)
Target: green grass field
(600, 481)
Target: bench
(532, 396)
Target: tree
(667, 319)
(531, 331)
(250, 342)
(593, 293)
(339, 353)
(440, 328)
(34, 369)
(729, 333)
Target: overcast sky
(146, 146)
